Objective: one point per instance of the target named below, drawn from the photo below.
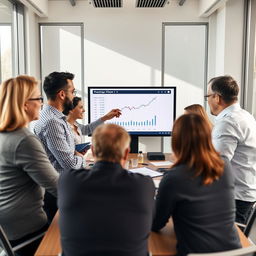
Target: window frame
(17, 39)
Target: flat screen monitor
(146, 111)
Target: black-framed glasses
(208, 95)
(39, 98)
(73, 92)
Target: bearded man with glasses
(53, 130)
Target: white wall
(40, 7)
(207, 7)
(123, 46)
(226, 40)
(6, 12)
(220, 42)
(32, 44)
(234, 38)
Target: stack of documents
(162, 163)
(146, 171)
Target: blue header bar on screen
(166, 91)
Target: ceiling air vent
(150, 3)
(107, 3)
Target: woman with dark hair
(198, 192)
(198, 109)
(78, 113)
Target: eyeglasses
(73, 92)
(211, 94)
(39, 98)
(208, 95)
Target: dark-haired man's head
(222, 92)
(58, 86)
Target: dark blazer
(203, 215)
(105, 211)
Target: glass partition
(12, 58)
(6, 55)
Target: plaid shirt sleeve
(55, 135)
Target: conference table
(161, 243)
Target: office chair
(250, 228)
(6, 248)
(248, 251)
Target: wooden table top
(162, 243)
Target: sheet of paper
(162, 163)
(146, 171)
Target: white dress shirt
(234, 136)
(84, 130)
(77, 136)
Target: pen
(144, 164)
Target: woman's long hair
(14, 92)
(192, 145)
(198, 109)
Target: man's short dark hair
(55, 82)
(226, 87)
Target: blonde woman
(24, 166)
(198, 109)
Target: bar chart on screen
(143, 109)
(145, 123)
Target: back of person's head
(226, 87)
(55, 82)
(195, 109)
(192, 145)
(14, 92)
(198, 109)
(110, 142)
(75, 102)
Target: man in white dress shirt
(234, 136)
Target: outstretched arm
(111, 114)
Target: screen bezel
(135, 87)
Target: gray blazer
(24, 171)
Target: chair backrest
(5, 247)
(248, 251)
(250, 229)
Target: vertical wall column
(229, 39)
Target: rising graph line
(140, 106)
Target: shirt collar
(228, 110)
(55, 111)
(75, 124)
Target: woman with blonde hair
(24, 167)
(198, 109)
(198, 192)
